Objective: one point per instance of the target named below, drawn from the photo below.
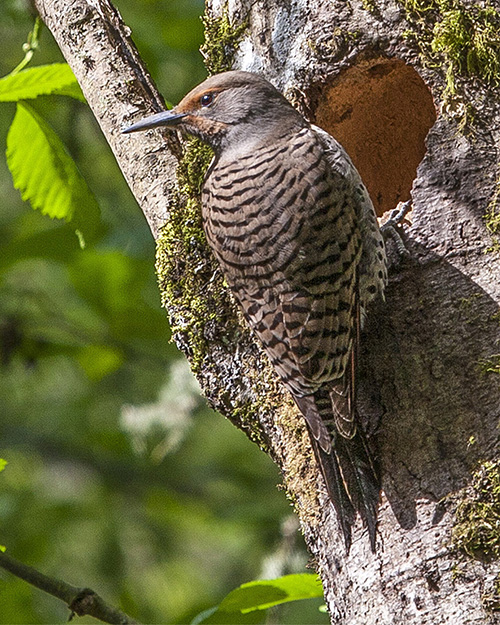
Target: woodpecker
(294, 231)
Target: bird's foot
(393, 227)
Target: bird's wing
(324, 345)
(319, 296)
(305, 308)
(373, 263)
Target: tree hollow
(380, 110)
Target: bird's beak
(165, 118)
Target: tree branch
(97, 45)
(80, 601)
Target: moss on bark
(477, 528)
(191, 285)
(465, 40)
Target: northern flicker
(295, 233)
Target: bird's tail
(349, 471)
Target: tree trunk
(388, 79)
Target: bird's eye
(206, 99)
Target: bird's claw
(393, 227)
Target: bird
(294, 231)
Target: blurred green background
(119, 477)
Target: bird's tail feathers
(348, 469)
(360, 478)
(337, 491)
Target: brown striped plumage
(295, 233)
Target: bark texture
(426, 399)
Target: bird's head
(228, 110)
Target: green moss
(419, 6)
(491, 364)
(369, 5)
(492, 220)
(465, 40)
(469, 309)
(244, 413)
(202, 312)
(491, 598)
(181, 259)
(469, 42)
(477, 525)
(191, 285)
(457, 572)
(222, 39)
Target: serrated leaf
(57, 79)
(46, 174)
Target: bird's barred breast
(280, 214)
(283, 227)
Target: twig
(30, 47)
(79, 600)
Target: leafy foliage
(46, 174)
(248, 603)
(41, 167)
(56, 78)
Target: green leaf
(203, 616)
(254, 597)
(3, 548)
(263, 594)
(57, 79)
(220, 617)
(46, 174)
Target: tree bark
(432, 407)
